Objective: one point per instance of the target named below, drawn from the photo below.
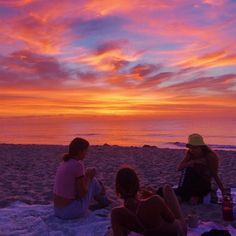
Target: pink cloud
(33, 69)
(154, 50)
(217, 84)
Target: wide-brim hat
(195, 140)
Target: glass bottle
(227, 208)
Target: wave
(87, 134)
(154, 135)
(214, 146)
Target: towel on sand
(22, 219)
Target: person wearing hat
(199, 167)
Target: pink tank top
(66, 174)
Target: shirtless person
(150, 216)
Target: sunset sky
(125, 58)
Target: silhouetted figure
(150, 216)
(199, 166)
(74, 186)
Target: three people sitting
(75, 188)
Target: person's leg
(172, 201)
(98, 193)
(80, 206)
(93, 190)
(72, 211)
(202, 189)
(187, 184)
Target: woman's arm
(220, 184)
(186, 162)
(82, 183)
(213, 166)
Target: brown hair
(206, 150)
(127, 183)
(76, 146)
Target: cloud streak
(123, 58)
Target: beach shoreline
(28, 170)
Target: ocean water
(161, 132)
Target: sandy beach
(27, 171)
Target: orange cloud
(119, 58)
(108, 58)
(215, 59)
(16, 3)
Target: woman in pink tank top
(75, 187)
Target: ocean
(161, 132)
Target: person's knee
(94, 181)
(167, 189)
(95, 185)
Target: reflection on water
(159, 132)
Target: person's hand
(90, 172)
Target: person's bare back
(150, 216)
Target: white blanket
(22, 219)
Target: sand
(27, 172)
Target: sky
(118, 58)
